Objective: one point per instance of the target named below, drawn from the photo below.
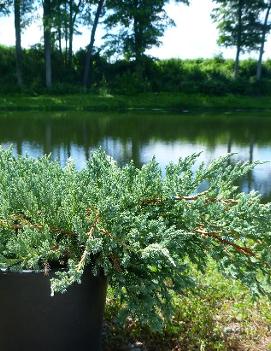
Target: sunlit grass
(149, 101)
(219, 316)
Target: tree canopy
(140, 24)
(239, 25)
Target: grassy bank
(149, 101)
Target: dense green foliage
(142, 229)
(205, 76)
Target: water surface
(140, 136)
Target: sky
(194, 36)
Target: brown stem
(242, 249)
(157, 201)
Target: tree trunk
(59, 40)
(66, 35)
(74, 10)
(237, 63)
(259, 64)
(19, 54)
(137, 36)
(47, 42)
(91, 43)
(70, 32)
(137, 41)
(59, 27)
(239, 41)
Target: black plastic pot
(32, 320)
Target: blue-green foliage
(142, 229)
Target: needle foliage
(144, 229)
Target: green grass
(219, 316)
(148, 101)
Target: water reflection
(139, 136)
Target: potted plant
(138, 230)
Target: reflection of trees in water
(89, 129)
(48, 138)
(85, 133)
(251, 149)
(250, 173)
(229, 145)
(60, 133)
(250, 182)
(136, 152)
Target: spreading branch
(208, 199)
(242, 249)
(89, 234)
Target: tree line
(131, 26)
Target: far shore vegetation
(174, 85)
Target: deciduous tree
(47, 26)
(239, 25)
(98, 13)
(139, 25)
(22, 17)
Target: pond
(139, 136)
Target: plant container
(32, 320)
